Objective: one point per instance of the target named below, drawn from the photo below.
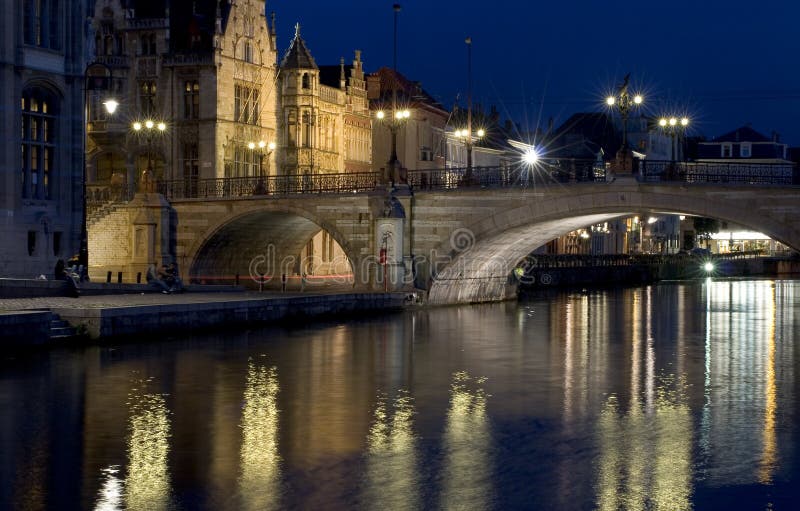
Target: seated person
(172, 278)
(156, 280)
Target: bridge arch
(258, 239)
(480, 269)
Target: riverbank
(30, 321)
(585, 272)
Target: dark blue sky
(722, 63)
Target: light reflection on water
(259, 483)
(467, 446)
(676, 396)
(392, 467)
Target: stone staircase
(60, 329)
(101, 211)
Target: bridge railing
(231, 187)
(519, 176)
(718, 172)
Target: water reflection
(111, 491)
(467, 445)
(645, 457)
(147, 485)
(260, 477)
(391, 472)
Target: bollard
(237, 279)
(139, 278)
(283, 283)
(119, 277)
(261, 284)
(108, 278)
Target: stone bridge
(460, 245)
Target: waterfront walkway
(26, 321)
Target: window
(42, 23)
(291, 126)
(245, 162)
(147, 97)
(191, 100)
(248, 52)
(306, 127)
(38, 143)
(245, 104)
(726, 150)
(745, 150)
(191, 169)
(148, 44)
(306, 81)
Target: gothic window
(306, 130)
(148, 44)
(191, 169)
(147, 97)
(191, 99)
(42, 23)
(291, 126)
(248, 52)
(38, 143)
(306, 81)
(245, 104)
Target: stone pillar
(389, 246)
(150, 232)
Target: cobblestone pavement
(129, 300)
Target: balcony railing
(718, 172)
(233, 187)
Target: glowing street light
(148, 129)
(624, 102)
(675, 128)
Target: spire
(342, 77)
(298, 56)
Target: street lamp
(149, 129)
(674, 127)
(624, 102)
(393, 165)
(468, 134)
(96, 77)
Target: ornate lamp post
(149, 129)
(624, 102)
(397, 117)
(674, 128)
(93, 81)
(467, 134)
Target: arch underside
(483, 271)
(264, 243)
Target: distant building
(421, 140)
(42, 63)
(743, 144)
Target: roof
(298, 56)
(743, 134)
(411, 91)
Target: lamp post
(261, 186)
(674, 128)
(393, 165)
(467, 134)
(94, 81)
(624, 102)
(149, 129)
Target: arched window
(39, 116)
(191, 99)
(291, 126)
(147, 97)
(306, 81)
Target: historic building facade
(204, 95)
(42, 62)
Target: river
(681, 395)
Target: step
(60, 329)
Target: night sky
(721, 63)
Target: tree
(705, 227)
